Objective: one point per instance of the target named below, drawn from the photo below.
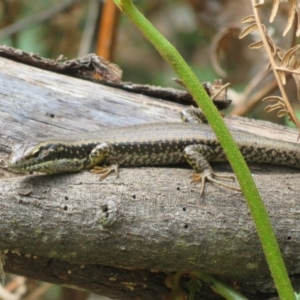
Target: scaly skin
(145, 145)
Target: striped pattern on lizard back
(159, 144)
(149, 144)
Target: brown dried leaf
(282, 113)
(289, 58)
(290, 62)
(282, 77)
(293, 61)
(248, 30)
(274, 10)
(280, 53)
(297, 77)
(259, 3)
(297, 81)
(264, 28)
(273, 98)
(256, 45)
(270, 108)
(248, 19)
(272, 45)
(279, 104)
(220, 44)
(298, 22)
(291, 17)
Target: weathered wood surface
(148, 219)
(95, 68)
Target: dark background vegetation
(205, 33)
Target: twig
(107, 30)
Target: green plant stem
(218, 287)
(235, 158)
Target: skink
(148, 145)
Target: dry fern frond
(298, 22)
(297, 81)
(293, 12)
(272, 45)
(279, 104)
(290, 63)
(287, 63)
(288, 58)
(281, 62)
(256, 45)
(252, 27)
(296, 77)
(274, 10)
(259, 3)
(282, 77)
(248, 19)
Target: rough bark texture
(73, 229)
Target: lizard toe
(208, 176)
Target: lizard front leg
(198, 156)
(103, 153)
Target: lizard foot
(208, 176)
(105, 171)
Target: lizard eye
(36, 154)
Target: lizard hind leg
(209, 176)
(193, 115)
(198, 156)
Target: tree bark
(75, 230)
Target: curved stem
(235, 158)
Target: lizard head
(46, 157)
